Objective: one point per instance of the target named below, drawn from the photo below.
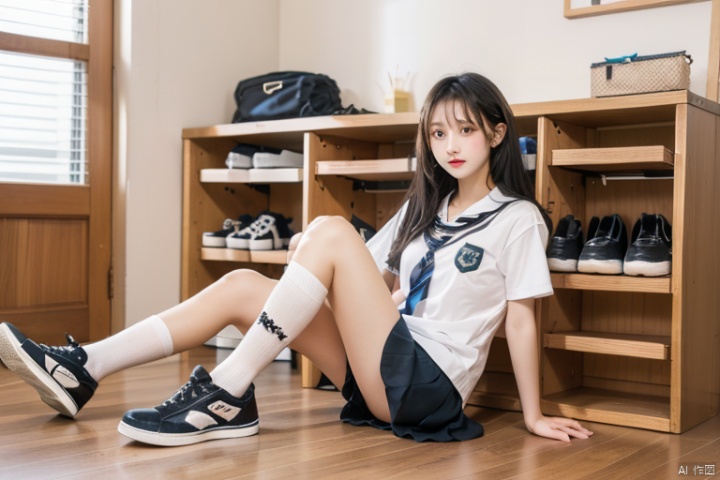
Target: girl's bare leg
(363, 312)
(361, 302)
(237, 299)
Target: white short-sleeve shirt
(467, 299)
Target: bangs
(465, 115)
(451, 95)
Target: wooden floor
(301, 437)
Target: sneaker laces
(67, 351)
(189, 391)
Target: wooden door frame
(100, 145)
(713, 79)
(93, 200)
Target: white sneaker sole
(269, 244)
(606, 267)
(179, 439)
(213, 242)
(238, 243)
(557, 265)
(647, 269)
(19, 362)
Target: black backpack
(281, 95)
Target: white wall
(179, 60)
(177, 63)
(527, 47)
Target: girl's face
(460, 146)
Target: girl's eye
(466, 130)
(437, 134)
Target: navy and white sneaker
(605, 251)
(197, 412)
(240, 239)
(271, 231)
(650, 253)
(565, 245)
(218, 239)
(57, 373)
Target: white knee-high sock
(291, 306)
(143, 342)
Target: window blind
(43, 100)
(64, 20)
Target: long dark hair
(483, 103)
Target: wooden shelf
(246, 256)
(496, 390)
(252, 175)
(612, 283)
(384, 169)
(638, 346)
(605, 406)
(383, 128)
(619, 159)
(625, 380)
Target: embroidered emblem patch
(270, 326)
(468, 258)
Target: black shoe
(271, 231)
(198, 412)
(218, 239)
(566, 245)
(605, 251)
(650, 253)
(57, 373)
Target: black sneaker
(218, 239)
(57, 373)
(271, 231)
(565, 245)
(198, 412)
(650, 253)
(240, 239)
(605, 251)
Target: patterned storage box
(640, 74)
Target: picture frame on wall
(588, 8)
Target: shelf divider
(605, 406)
(381, 169)
(638, 346)
(617, 159)
(612, 283)
(278, 257)
(251, 175)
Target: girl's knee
(332, 229)
(239, 278)
(244, 286)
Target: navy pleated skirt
(424, 404)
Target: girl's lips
(456, 163)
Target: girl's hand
(559, 428)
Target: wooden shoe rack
(632, 351)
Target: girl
(406, 343)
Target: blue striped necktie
(422, 273)
(448, 234)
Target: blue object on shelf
(528, 145)
(623, 59)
